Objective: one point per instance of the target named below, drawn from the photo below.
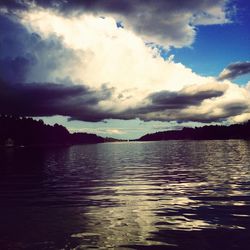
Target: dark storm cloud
(234, 70)
(14, 4)
(14, 61)
(14, 69)
(26, 56)
(171, 106)
(228, 110)
(166, 22)
(118, 6)
(78, 102)
(180, 116)
(235, 108)
(48, 99)
(166, 99)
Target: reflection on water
(150, 195)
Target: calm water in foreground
(150, 195)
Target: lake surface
(137, 195)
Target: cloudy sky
(123, 68)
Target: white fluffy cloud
(119, 59)
(112, 56)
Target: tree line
(212, 132)
(27, 131)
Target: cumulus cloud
(58, 60)
(165, 22)
(234, 70)
(111, 55)
(27, 57)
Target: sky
(126, 68)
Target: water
(149, 195)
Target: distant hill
(26, 131)
(216, 132)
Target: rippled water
(149, 195)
